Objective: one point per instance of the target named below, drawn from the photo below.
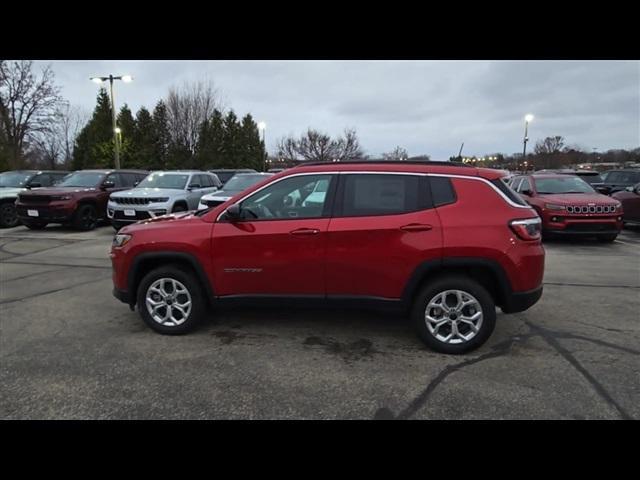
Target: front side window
(566, 184)
(525, 186)
(164, 180)
(44, 179)
(303, 196)
(374, 194)
(82, 179)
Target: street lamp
(262, 127)
(111, 78)
(527, 118)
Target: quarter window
(442, 191)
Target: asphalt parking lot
(69, 350)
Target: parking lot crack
(551, 338)
(498, 350)
(28, 297)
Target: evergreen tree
(231, 151)
(210, 143)
(251, 149)
(161, 137)
(144, 141)
(94, 144)
(127, 126)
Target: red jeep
(445, 242)
(568, 205)
(79, 200)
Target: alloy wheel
(453, 316)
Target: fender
(166, 257)
(443, 264)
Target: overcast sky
(424, 106)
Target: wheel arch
(487, 272)
(145, 262)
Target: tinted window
(215, 181)
(128, 179)
(116, 179)
(296, 197)
(58, 177)
(442, 191)
(44, 179)
(371, 194)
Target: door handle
(416, 227)
(305, 231)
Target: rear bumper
(521, 301)
(121, 295)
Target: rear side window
(128, 179)
(374, 194)
(442, 191)
(508, 191)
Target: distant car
(275, 170)
(225, 174)
(79, 200)
(592, 177)
(237, 184)
(159, 194)
(617, 180)
(630, 199)
(568, 205)
(16, 181)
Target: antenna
(460, 152)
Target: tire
(8, 215)
(471, 290)
(607, 238)
(86, 218)
(178, 208)
(34, 225)
(189, 282)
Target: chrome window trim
(369, 172)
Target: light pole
(527, 118)
(262, 127)
(111, 78)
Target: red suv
(569, 205)
(79, 200)
(442, 241)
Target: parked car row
(84, 198)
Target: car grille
(213, 203)
(35, 198)
(591, 209)
(137, 200)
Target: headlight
(60, 198)
(618, 206)
(553, 206)
(120, 240)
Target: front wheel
(86, 218)
(454, 314)
(8, 215)
(170, 300)
(607, 238)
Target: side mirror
(194, 186)
(135, 184)
(108, 184)
(528, 193)
(636, 190)
(233, 212)
(34, 185)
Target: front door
(278, 246)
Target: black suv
(618, 180)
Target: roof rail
(390, 162)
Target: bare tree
(187, 107)
(27, 105)
(315, 146)
(549, 145)
(397, 154)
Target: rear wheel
(607, 238)
(8, 215)
(86, 217)
(454, 314)
(33, 225)
(170, 300)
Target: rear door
(384, 226)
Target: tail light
(527, 228)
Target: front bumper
(521, 301)
(116, 213)
(46, 213)
(573, 225)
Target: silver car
(160, 193)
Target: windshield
(15, 179)
(240, 182)
(82, 179)
(164, 180)
(563, 185)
